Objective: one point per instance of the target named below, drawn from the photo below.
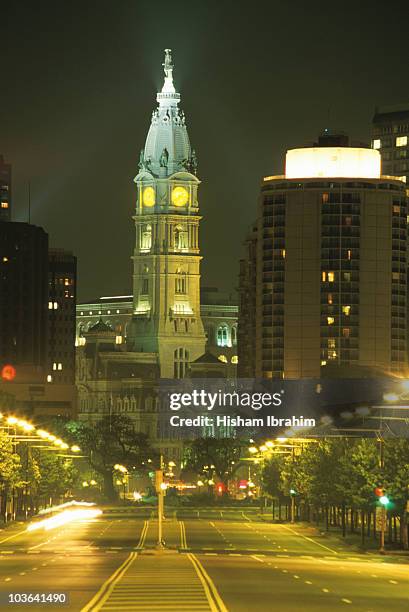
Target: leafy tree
(57, 476)
(111, 440)
(395, 476)
(10, 469)
(211, 457)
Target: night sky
(79, 82)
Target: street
(229, 561)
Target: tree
(110, 441)
(57, 476)
(211, 457)
(10, 469)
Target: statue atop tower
(168, 86)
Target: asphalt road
(214, 563)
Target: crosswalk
(158, 581)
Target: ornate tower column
(166, 279)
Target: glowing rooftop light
(331, 162)
(12, 420)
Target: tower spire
(168, 86)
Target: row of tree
(334, 480)
(31, 477)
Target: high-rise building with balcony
(325, 272)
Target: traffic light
(380, 494)
(293, 492)
(8, 372)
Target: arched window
(234, 335)
(223, 336)
(181, 361)
(146, 237)
(180, 283)
(181, 238)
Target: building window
(181, 362)
(346, 310)
(181, 239)
(146, 237)
(49, 378)
(145, 286)
(54, 366)
(331, 277)
(325, 198)
(395, 276)
(234, 359)
(324, 276)
(222, 336)
(349, 254)
(330, 320)
(401, 141)
(377, 144)
(331, 343)
(346, 332)
(222, 358)
(347, 276)
(234, 335)
(59, 366)
(50, 305)
(330, 299)
(118, 340)
(4, 204)
(180, 284)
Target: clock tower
(166, 276)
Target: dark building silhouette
(390, 136)
(5, 190)
(62, 277)
(23, 294)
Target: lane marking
(215, 601)
(106, 589)
(311, 540)
(143, 535)
(15, 535)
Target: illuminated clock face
(180, 196)
(149, 196)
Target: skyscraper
(390, 134)
(166, 280)
(62, 282)
(328, 260)
(5, 190)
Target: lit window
(283, 253)
(118, 340)
(117, 312)
(223, 358)
(5, 259)
(54, 366)
(323, 362)
(331, 277)
(330, 299)
(145, 286)
(330, 320)
(108, 312)
(348, 220)
(325, 198)
(49, 378)
(223, 336)
(4, 204)
(50, 305)
(324, 277)
(90, 312)
(349, 254)
(332, 354)
(395, 275)
(59, 367)
(346, 332)
(331, 343)
(376, 144)
(347, 276)
(346, 310)
(99, 311)
(55, 305)
(67, 282)
(401, 141)
(396, 209)
(234, 359)
(81, 313)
